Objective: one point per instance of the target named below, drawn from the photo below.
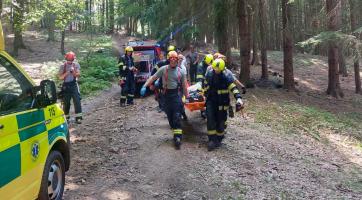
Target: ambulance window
(15, 89)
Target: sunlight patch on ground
(72, 186)
(347, 146)
(307, 84)
(116, 195)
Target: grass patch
(291, 117)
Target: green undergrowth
(97, 73)
(293, 118)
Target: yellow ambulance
(34, 135)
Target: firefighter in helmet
(174, 80)
(201, 71)
(69, 72)
(218, 85)
(127, 78)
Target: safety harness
(65, 69)
(166, 79)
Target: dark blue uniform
(201, 71)
(217, 89)
(125, 64)
(173, 79)
(160, 97)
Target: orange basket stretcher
(195, 103)
(192, 106)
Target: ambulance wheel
(53, 180)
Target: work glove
(239, 105)
(121, 83)
(143, 91)
(157, 83)
(183, 99)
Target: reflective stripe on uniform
(211, 132)
(220, 133)
(177, 131)
(78, 115)
(231, 86)
(223, 92)
(130, 95)
(223, 107)
(199, 76)
(120, 64)
(123, 97)
(236, 91)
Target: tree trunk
(255, 38)
(102, 14)
(272, 20)
(1, 6)
(135, 27)
(277, 28)
(221, 28)
(127, 26)
(107, 13)
(62, 48)
(333, 13)
(287, 46)
(353, 15)
(342, 63)
(111, 16)
(245, 36)
(18, 25)
(51, 27)
(264, 59)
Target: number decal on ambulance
(52, 112)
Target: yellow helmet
(208, 59)
(171, 48)
(218, 64)
(128, 49)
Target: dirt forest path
(127, 153)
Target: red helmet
(70, 56)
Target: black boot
(130, 102)
(203, 115)
(231, 112)
(211, 145)
(177, 141)
(78, 120)
(184, 116)
(122, 103)
(219, 139)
